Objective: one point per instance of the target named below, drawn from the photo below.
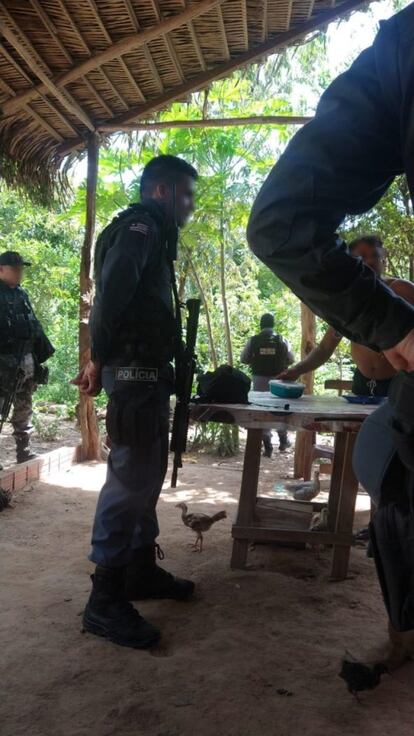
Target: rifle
(6, 400)
(185, 370)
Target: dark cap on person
(12, 258)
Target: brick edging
(18, 476)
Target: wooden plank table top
(320, 413)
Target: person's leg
(379, 468)
(267, 443)
(144, 579)
(21, 420)
(123, 499)
(284, 441)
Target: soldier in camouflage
(23, 347)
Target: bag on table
(226, 385)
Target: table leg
(342, 499)
(248, 494)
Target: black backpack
(226, 385)
(270, 355)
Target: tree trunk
(227, 330)
(90, 447)
(203, 297)
(304, 439)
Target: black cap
(12, 258)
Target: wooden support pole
(90, 448)
(304, 439)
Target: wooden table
(256, 519)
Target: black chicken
(359, 677)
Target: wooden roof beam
(29, 110)
(209, 123)
(167, 41)
(94, 10)
(196, 43)
(69, 20)
(223, 34)
(48, 23)
(21, 71)
(129, 43)
(245, 25)
(265, 21)
(248, 57)
(25, 49)
(147, 53)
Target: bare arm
(317, 357)
(341, 163)
(403, 288)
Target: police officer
(23, 347)
(134, 332)
(341, 163)
(268, 354)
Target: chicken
(305, 490)
(359, 676)
(199, 523)
(319, 523)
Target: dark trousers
(126, 517)
(379, 466)
(261, 383)
(361, 385)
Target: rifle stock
(184, 383)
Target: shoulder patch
(139, 227)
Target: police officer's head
(11, 268)
(171, 182)
(371, 250)
(267, 321)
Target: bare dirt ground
(226, 659)
(51, 432)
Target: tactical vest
(18, 324)
(269, 354)
(147, 332)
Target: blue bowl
(355, 399)
(286, 389)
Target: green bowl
(286, 389)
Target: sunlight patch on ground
(85, 476)
(206, 494)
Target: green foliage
(53, 247)
(46, 429)
(214, 259)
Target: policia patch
(136, 374)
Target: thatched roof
(69, 67)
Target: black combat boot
(23, 451)
(108, 613)
(144, 579)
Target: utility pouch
(136, 410)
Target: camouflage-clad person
(23, 348)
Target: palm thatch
(69, 68)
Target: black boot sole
(93, 627)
